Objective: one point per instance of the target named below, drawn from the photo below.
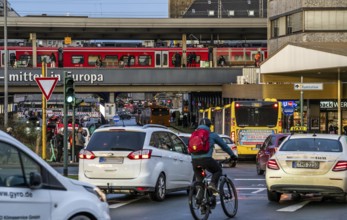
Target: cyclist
(206, 161)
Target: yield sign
(47, 85)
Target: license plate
(306, 164)
(111, 160)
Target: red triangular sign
(47, 85)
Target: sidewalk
(181, 128)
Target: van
(31, 189)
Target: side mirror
(35, 180)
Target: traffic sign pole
(44, 125)
(302, 104)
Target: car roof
(313, 135)
(145, 128)
(184, 134)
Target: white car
(220, 154)
(309, 164)
(148, 159)
(31, 189)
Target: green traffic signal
(69, 90)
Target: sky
(93, 8)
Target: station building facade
(307, 43)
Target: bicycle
(202, 200)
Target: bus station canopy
(314, 59)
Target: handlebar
(227, 160)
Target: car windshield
(227, 140)
(116, 140)
(312, 144)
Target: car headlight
(96, 191)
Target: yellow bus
(248, 123)
(155, 114)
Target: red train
(140, 57)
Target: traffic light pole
(65, 172)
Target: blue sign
(116, 118)
(288, 110)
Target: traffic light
(69, 90)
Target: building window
(274, 28)
(251, 13)
(231, 13)
(289, 25)
(210, 13)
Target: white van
(31, 189)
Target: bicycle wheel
(228, 197)
(198, 202)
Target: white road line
(293, 208)
(249, 179)
(114, 206)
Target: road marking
(114, 206)
(250, 179)
(293, 208)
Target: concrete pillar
(111, 98)
(33, 43)
(184, 50)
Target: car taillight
(272, 164)
(140, 154)
(86, 154)
(340, 166)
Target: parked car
(31, 189)
(218, 153)
(267, 149)
(148, 159)
(309, 164)
(185, 137)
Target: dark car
(267, 149)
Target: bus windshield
(160, 111)
(256, 114)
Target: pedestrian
(9, 131)
(257, 59)
(98, 62)
(80, 141)
(60, 144)
(53, 60)
(221, 61)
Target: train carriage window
(145, 60)
(40, 58)
(165, 59)
(77, 59)
(128, 62)
(25, 61)
(92, 60)
(111, 60)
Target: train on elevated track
(132, 57)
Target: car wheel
(160, 189)
(259, 171)
(273, 196)
(80, 217)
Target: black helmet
(205, 121)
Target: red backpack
(198, 142)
